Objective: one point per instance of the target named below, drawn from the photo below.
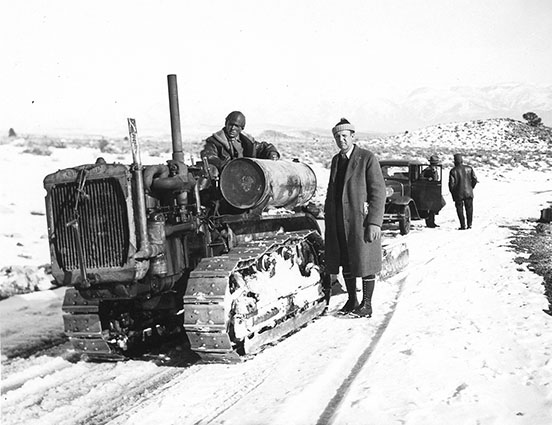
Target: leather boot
(352, 302)
(365, 308)
(430, 220)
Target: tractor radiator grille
(103, 224)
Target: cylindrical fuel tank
(250, 182)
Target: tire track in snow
(231, 399)
(54, 390)
(329, 414)
(117, 406)
(114, 406)
(186, 395)
(332, 407)
(16, 380)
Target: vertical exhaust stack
(176, 131)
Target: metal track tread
(83, 327)
(207, 302)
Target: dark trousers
(468, 205)
(430, 220)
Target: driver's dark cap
(236, 117)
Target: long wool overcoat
(363, 203)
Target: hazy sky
(87, 66)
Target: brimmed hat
(343, 124)
(434, 160)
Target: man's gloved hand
(273, 156)
(372, 233)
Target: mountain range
(375, 116)
(429, 106)
(426, 106)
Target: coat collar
(244, 139)
(353, 162)
(221, 137)
(350, 151)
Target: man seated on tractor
(232, 142)
(227, 144)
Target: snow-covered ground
(469, 342)
(460, 338)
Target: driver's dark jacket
(218, 150)
(431, 173)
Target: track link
(83, 327)
(226, 315)
(226, 312)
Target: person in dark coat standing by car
(433, 174)
(462, 180)
(353, 210)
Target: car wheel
(404, 221)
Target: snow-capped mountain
(427, 106)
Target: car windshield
(395, 171)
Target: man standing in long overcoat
(353, 217)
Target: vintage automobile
(412, 192)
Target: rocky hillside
(497, 143)
(493, 143)
(497, 134)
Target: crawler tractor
(229, 258)
(230, 261)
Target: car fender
(403, 201)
